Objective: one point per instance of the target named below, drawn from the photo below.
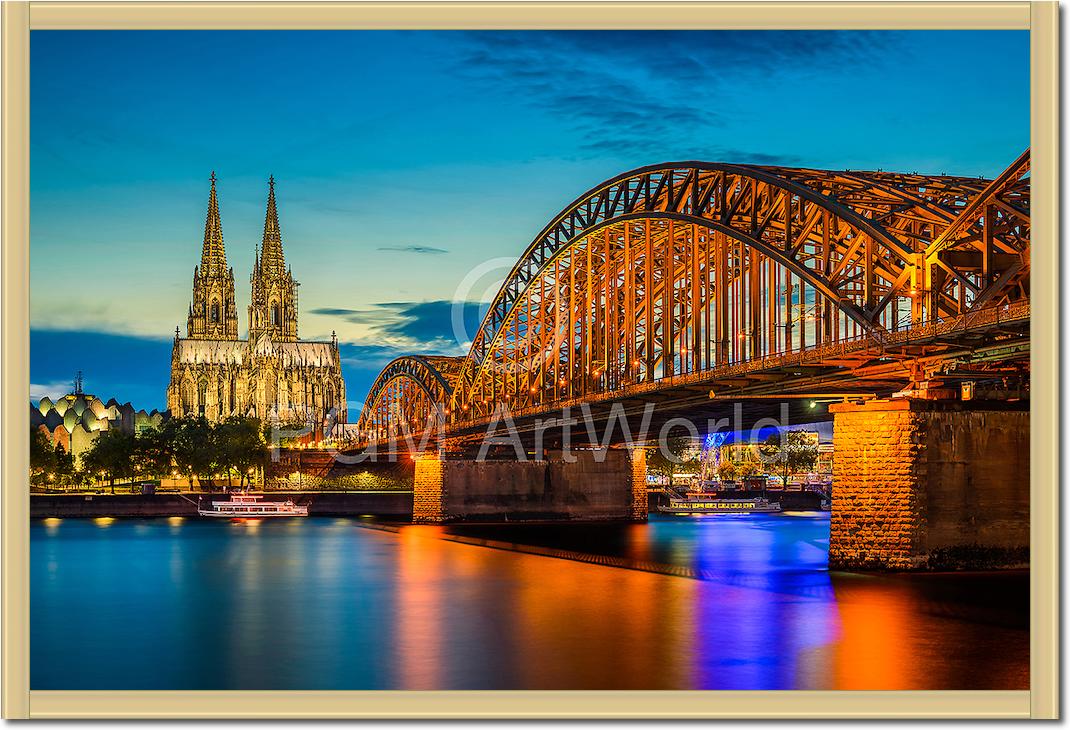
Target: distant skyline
(405, 160)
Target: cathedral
(272, 375)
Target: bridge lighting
(573, 352)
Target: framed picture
(615, 360)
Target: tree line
(191, 447)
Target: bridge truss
(688, 268)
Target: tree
(240, 444)
(285, 434)
(42, 456)
(671, 457)
(788, 453)
(65, 469)
(153, 453)
(746, 469)
(112, 454)
(193, 446)
(727, 471)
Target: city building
(748, 453)
(74, 421)
(272, 375)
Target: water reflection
(420, 602)
(725, 603)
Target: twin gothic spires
(273, 311)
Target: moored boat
(250, 505)
(703, 506)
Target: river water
(721, 602)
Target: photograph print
(529, 360)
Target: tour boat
(700, 506)
(249, 505)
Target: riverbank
(395, 504)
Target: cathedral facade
(272, 375)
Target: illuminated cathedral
(272, 375)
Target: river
(722, 602)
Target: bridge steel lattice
(685, 268)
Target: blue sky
(414, 167)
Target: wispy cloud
(93, 312)
(664, 93)
(438, 327)
(413, 249)
(368, 358)
(53, 390)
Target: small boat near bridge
(697, 505)
(252, 505)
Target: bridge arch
(685, 267)
(808, 255)
(406, 393)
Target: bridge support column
(640, 506)
(580, 486)
(929, 484)
(429, 490)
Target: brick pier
(594, 486)
(928, 484)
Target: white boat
(701, 506)
(250, 505)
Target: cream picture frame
(1040, 701)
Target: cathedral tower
(274, 292)
(271, 375)
(213, 314)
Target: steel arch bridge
(409, 391)
(688, 268)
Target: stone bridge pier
(930, 484)
(607, 485)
